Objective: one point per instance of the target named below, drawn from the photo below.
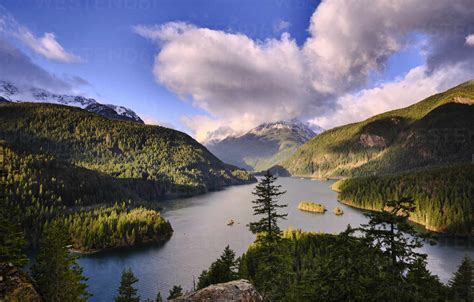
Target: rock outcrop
(372, 140)
(239, 290)
(15, 285)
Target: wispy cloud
(45, 45)
(281, 26)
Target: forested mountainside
(170, 162)
(263, 146)
(433, 132)
(443, 196)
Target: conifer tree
(266, 205)
(127, 293)
(158, 297)
(56, 272)
(273, 268)
(175, 292)
(462, 283)
(390, 232)
(222, 270)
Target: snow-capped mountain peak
(304, 131)
(294, 125)
(14, 93)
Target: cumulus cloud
(470, 40)
(230, 75)
(242, 82)
(46, 45)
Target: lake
(201, 233)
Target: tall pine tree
(127, 293)
(271, 277)
(266, 205)
(462, 283)
(56, 272)
(390, 232)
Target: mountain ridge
(394, 141)
(11, 93)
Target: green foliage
(175, 292)
(325, 267)
(462, 283)
(162, 160)
(311, 207)
(435, 131)
(222, 270)
(158, 297)
(56, 272)
(268, 233)
(383, 265)
(116, 226)
(443, 197)
(126, 291)
(12, 239)
(390, 232)
(59, 159)
(267, 205)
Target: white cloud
(238, 80)
(470, 40)
(241, 82)
(281, 26)
(416, 85)
(46, 45)
(201, 125)
(150, 120)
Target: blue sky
(367, 52)
(118, 62)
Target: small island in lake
(338, 211)
(311, 207)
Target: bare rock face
(462, 100)
(16, 286)
(372, 140)
(239, 290)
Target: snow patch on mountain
(304, 130)
(294, 125)
(14, 93)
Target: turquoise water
(201, 233)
